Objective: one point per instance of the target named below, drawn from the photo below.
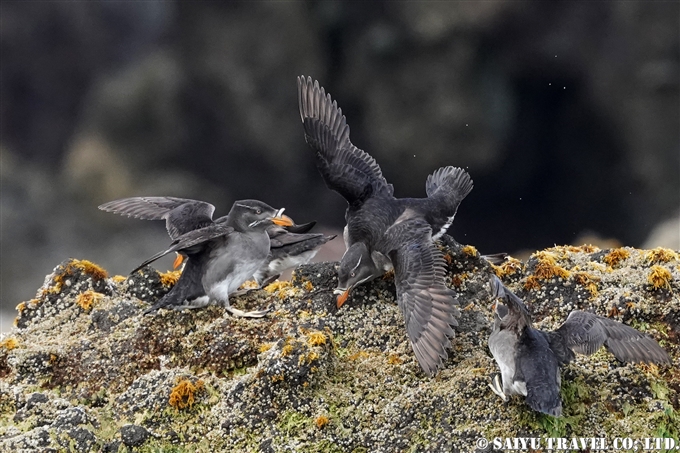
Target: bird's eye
(352, 274)
(259, 211)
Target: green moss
(293, 422)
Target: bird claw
(497, 387)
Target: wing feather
(327, 132)
(585, 333)
(189, 240)
(429, 306)
(181, 214)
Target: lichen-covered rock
(85, 370)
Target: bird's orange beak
(342, 298)
(178, 261)
(283, 220)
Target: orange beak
(283, 220)
(342, 298)
(178, 261)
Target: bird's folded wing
(286, 238)
(189, 240)
(585, 333)
(348, 170)
(182, 214)
(539, 370)
(429, 306)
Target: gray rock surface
(91, 373)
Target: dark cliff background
(566, 114)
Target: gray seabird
(221, 256)
(289, 246)
(384, 232)
(530, 359)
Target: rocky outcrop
(85, 371)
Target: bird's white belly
(226, 274)
(222, 289)
(503, 345)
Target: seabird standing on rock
(530, 359)
(221, 256)
(384, 232)
(289, 246)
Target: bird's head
(254, 215)
(356, 267)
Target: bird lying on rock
(530, 359)
(384, 232)
(221, 255)
(290, 246)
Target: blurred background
(566, 115)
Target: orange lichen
(9, 343)
(169, 278)
(308, 358)
(547, 268)
(585, 248)
(394, 359)
(321, 421)
(22, 306)
(458, 279)
(307, 286)
(532, 283)
(277, 286)
(286, 350)
(588, 281)
(182, 395)
(615, 257)
(359, 355)
(249, 284)
(448, 258)
(661, 255)
(660, 277)
(88, 267)
(316, 338)
(264, 347)
(88, 298)
(277, 377)
(509, 267)
(470, 251)
(118, 278)
(613, 311)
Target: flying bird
(530, 359)
(384, 232)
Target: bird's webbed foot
(245, 314)
(497, 387)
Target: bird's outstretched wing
(585, 333)
(519, 312)
(188, 242)
(346, 169)
(181, 214)
(429, 307)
